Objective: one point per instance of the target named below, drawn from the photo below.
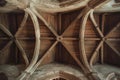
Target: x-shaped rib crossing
(103, 39)
(61, 39)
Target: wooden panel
(69, 43)
(64, 57)
(110, 57)
(90, 30)
(112, 50)
(111, 21)
(90, 47)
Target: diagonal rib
(114, 28)
(46, 23)
(113, 48)
(23, 22)
(95, 24)
(6, 46)
(95, 53)
(82, 40)
(75, 20)
(23, 52)
(44, 56)
(5, 30)
(74, 57)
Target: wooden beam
(37, 44)
(114, 28)
(82, 40)
(23, 52)
(70, 38)
(102, 47)
(113, 48)
(95, 53)
(86, 71)
(37, 36)
(5, 30)
(59, 47)
(48, 38)
(6, 46)
(45, 22)
(92, 39)
(102, 54)
(113, 39)
(95, 24)
(22, 23)
(74, 57)
(86, 39)
(60, 23)
(44, 57)
(100, 33)
(76, 19)
(32, 38)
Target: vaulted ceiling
(108, 6)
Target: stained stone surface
(104, 70)
(53, 69)
(10, 71)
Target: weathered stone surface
(53, 70)
(10, 71)
(104, 70)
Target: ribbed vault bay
(60, 39)
(63, 34)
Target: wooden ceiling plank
(48, 38)
(60, 32)
(102, 54)
(37, 43)
(70, 38)
(113, 39)
(31, 38)
(92, 39)
(60, 23)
